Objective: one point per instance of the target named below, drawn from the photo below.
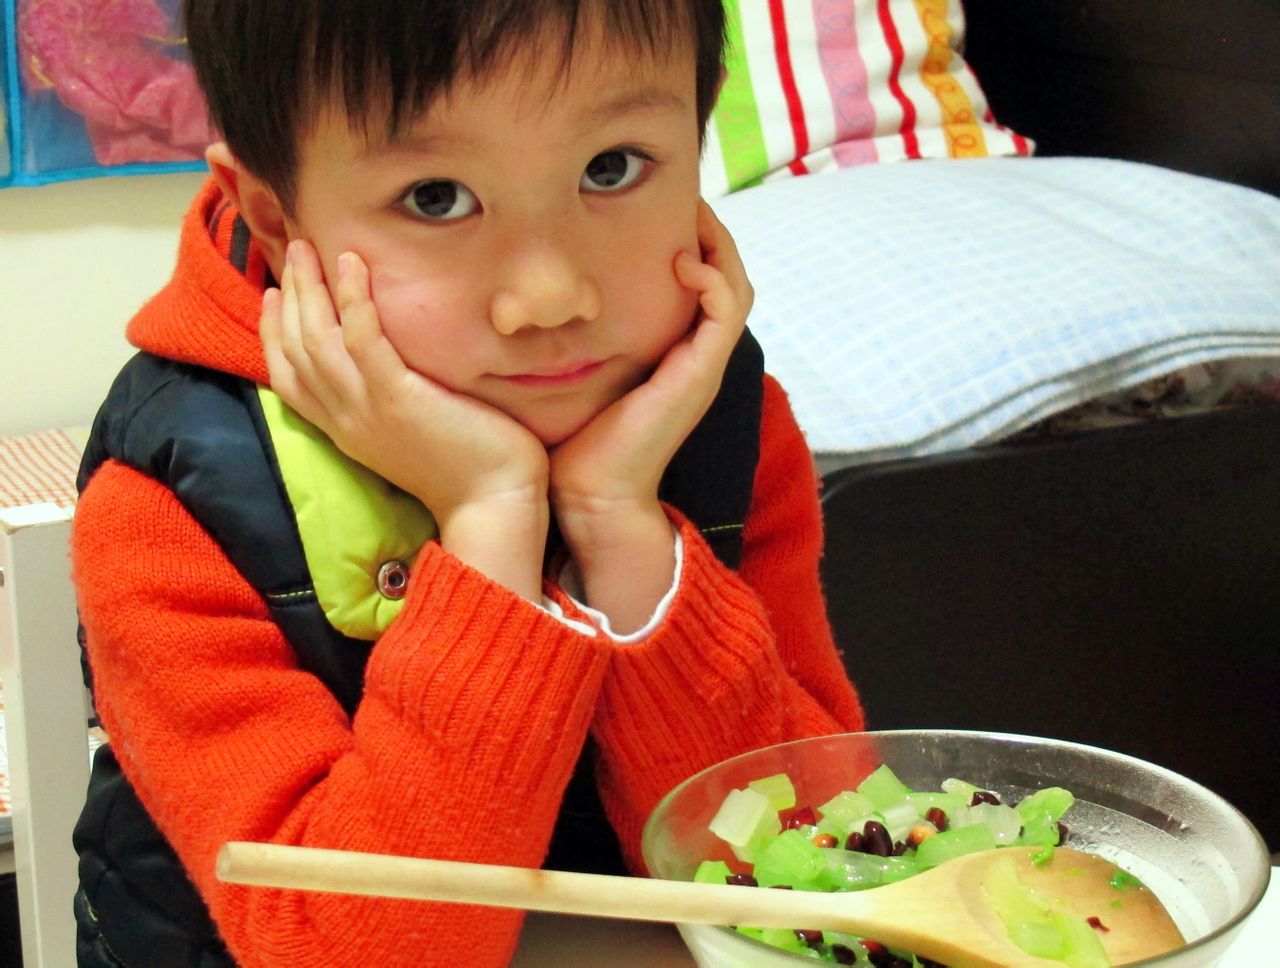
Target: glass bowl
(1200, 855)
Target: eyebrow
(640, 101)
(635, 102)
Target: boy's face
(521, 235)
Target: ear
(257, 202)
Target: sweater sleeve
(476, 704)
(740, 661)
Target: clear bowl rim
(1251, 832)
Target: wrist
(504, 539)
(625, 558)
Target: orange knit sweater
(476, 703)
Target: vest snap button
(393, 579)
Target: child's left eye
(614, 170)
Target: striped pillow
(814, 85)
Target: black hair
(266, 66)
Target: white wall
(77, 259)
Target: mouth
(555, 376)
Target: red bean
(876, 840)
(802, 817)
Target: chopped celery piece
(1036, 925)
(846, 807)
(1082, 947)
(808, 832)
(778, 789)
(841, 829)
(1054, 801)
(1123, 879)
(788, 859)
(883, 788)
(961, 788)
(898, 868)
(850, 870)
(1014, 902)
(899, 819)
(948, 803)
(783, 938)
(830, 825)
(1040, 831)
(1003, 821)
(712, 872)
(744, 821)
(1042, 857)
(961, 817)
(953, 843)
(1038, 938)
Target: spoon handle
(566, 892)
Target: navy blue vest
(202, 434)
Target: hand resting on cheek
(604, 479)
(481, 474)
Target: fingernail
(288, 252)
(344, 266)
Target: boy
(519, 496)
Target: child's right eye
(441, 200)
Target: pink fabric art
(106, 60)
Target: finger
(720, 250)
(269, 333)
(361, 328)
(311, 321)
(723, 315)
(317, 318)
(363, 338)
(282, 378)
(717, 298)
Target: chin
(553, 433)
(552, 438)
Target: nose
(544, 283)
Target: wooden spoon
(943, 914)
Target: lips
(555, 376)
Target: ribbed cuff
(707, 678)
(465, 649)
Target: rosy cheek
(423, 322)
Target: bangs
(395, 58)
(268, 67)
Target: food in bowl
(1199, 855)
(882, 832)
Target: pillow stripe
(760, 49)
(737, 119)
(898, 55)
(964, 135)
(787, 77)
(845, 71)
